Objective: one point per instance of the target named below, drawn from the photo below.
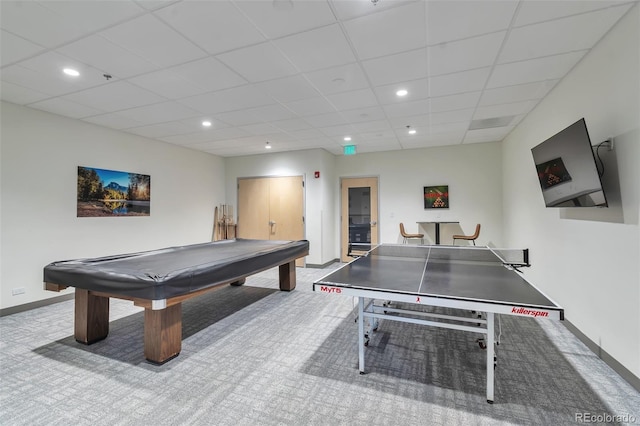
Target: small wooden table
(160, 280)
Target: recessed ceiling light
(402, 92)
(412, 132)
(347, 138)
(206, 123)
(71, 72)
(267, 145)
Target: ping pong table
(476, 283)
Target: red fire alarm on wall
(316, 174)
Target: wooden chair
(471, 238)
(406, 236)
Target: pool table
(160, 280)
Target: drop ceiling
(300, 74)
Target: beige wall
(40, 153)
(471, 171)
(588, 260)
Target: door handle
(374, 223)
(271, 223)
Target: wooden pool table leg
(288, 276)
(162, 333)
(91, 317)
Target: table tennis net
(506, 256)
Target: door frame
(358, 182)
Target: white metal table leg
(490, 356)
(361, 334)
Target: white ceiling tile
(154, 41)
(486, 135)
(15, 48)
(454, 20)
(292, 125)
(457, 128)
(94, 15)
(531, 12)
(340, 131)
(20, 95)
(43, 73)
(364, 114)
(423, 120)
(504, 110)
(372, 126)
(277, 19)
(453, 102)
(209, 74)
(377, 136)
(520, 92)
(559, 36)
(338, 79)
(465, 54)
(258, 63)
(404, 137)
(420, 106)
(237, 118)
(115, 96)
(65, 107)
(108, 57)
(161, 130)
(320, 48)
(264, 113)
(418, 89)
(112, 120)
(307, 107)
(289, 88)
(216, 26)
(35, 22)
(207, 135)
(349, 9)
(325, 120)
(154, 4)
(397, 68)
(451, 116)
(548, 68)
(355, 99)
(228, 100)
(460, 82)
(306, 134)
(196, 123)
(260, 129)
(160, 112)
(308, 72)
(273, 112)
(404, 29)
(167, 83)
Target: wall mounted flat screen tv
(567, 169)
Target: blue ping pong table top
(462, 273)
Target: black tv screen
(567, 170)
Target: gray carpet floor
(253, 355)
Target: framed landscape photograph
(104, 193)
(436, 197)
